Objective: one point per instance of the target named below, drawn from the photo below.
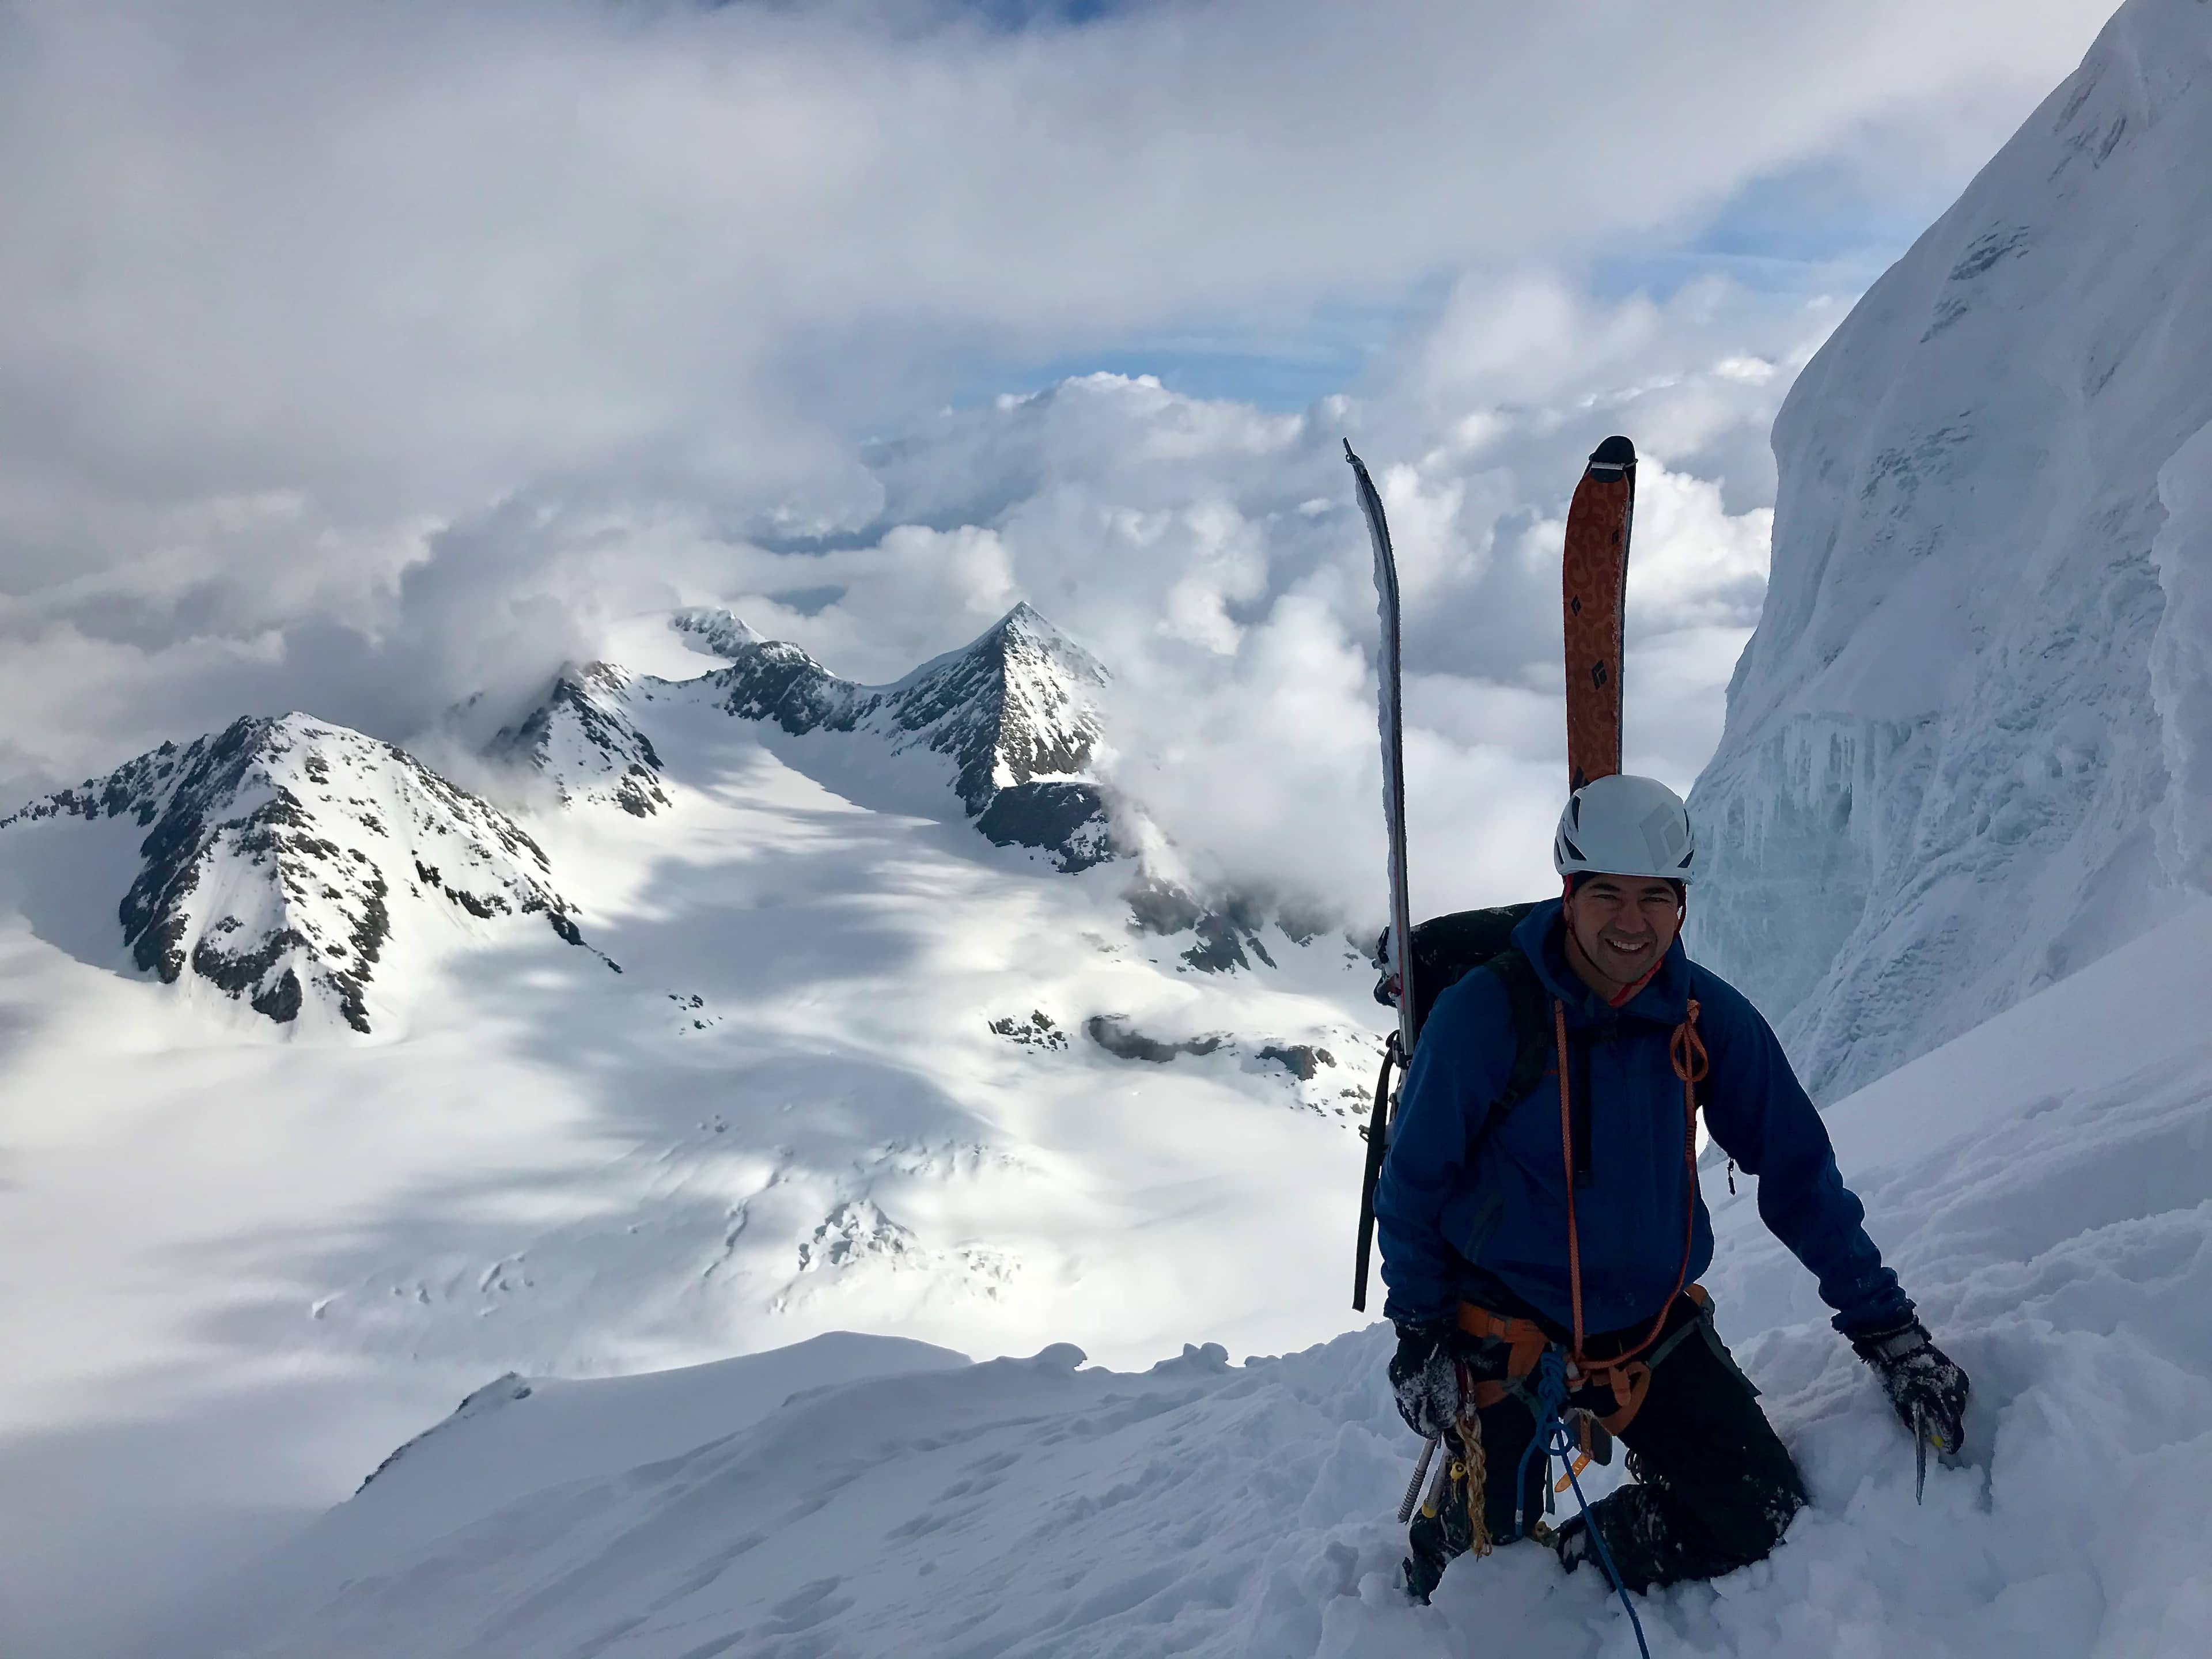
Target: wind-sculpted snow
(1949, 743)
(282, 854)
(2049, 1201)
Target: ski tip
(1348, 455)
(1616, 456)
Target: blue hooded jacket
(1458, 1228)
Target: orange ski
(1596, 592)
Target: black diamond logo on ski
(1575, 605)
(1597, 675)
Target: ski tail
(1390, 722)
(1595, 584)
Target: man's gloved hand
(1425, 1378)
(1919, 1381)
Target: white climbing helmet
(1625, 826)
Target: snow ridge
(282, 854)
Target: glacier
(1957, 762)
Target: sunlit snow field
(251, 1262)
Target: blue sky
(1807, 233)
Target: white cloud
(361, 356)
(1211, 554)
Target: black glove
(1573, 1544)
(1920, 1382)
(1425, 1378)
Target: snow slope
(2045, 1184)
(1962, 758)
(845, 1080)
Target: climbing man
(1542, 1230)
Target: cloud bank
(367, 358)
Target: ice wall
(1944, 781)
(2181, 661)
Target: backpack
(1445, 950)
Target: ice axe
(1919, 1454)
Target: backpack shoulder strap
(1532, 1036)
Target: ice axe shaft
(1413, 1486)
(1919, 1454)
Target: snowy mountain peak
(717, 629)
(1018, 703)
(284, 856)
(583, 737)
(1014, 711)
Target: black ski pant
(1713, 1486)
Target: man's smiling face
(1620, 927)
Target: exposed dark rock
(1040, 1030)
(1157, 908)
(239, 972)
(375, 925)
(1228, 929)
(1301, 1060)
(281, 1001)
(1068, 820)
(1124, 1043)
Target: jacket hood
(1541, 938)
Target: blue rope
(1554, 1439)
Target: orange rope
(1691, 1065)
(1567, 1153)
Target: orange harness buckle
(1629, 1381)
